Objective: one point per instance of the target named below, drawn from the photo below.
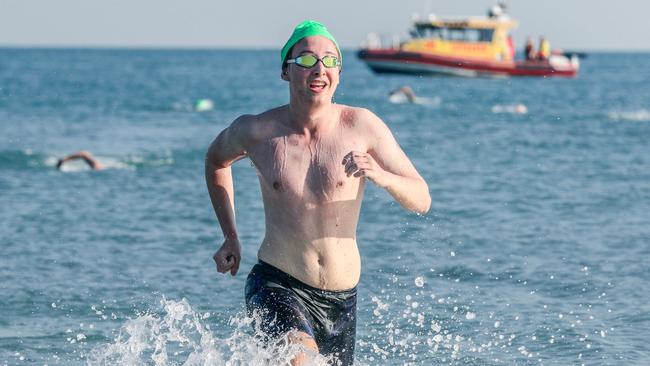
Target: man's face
(317, 83)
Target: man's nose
(319, 68)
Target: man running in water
(313, 158)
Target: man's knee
(298, 337)
(307, 342)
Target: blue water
(534, 252)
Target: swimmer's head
(305, 29)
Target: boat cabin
(484, 38)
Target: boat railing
(376, 41)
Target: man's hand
(360, 164)
(228, 256)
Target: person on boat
(510, 48)
(529, 49)
(313, 158)
(86, 156)
(544, 49)
(406, 91)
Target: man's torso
(311, 206)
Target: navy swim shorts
(286, 304)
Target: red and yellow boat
(473, 46)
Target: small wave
(139, 160)
(398, 98)
(179, 336)
(13, 159)
(641, 115)
(433, 101)
(518, 108)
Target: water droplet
(435, 327)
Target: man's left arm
(386, 165)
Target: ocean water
(534, 252)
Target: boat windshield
(453, 34)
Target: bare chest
(291, 167)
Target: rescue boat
(471, 46)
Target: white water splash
(641, 115)
(178, 337)
(200, 105)
(400, 98)
(511, 109)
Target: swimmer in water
(405, 91)
(85, 156)
(313, 158)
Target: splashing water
(642, 115)
(400, 98)
(518, 108)
(179, 337)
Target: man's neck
(312, 118)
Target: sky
(569, 24)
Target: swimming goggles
(309, 61)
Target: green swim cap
(305, 29)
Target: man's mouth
(317, 85)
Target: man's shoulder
(250, 120)
(273, 115)
(359, 117)
(256, 126)
(366, 125)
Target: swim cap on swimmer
(305, 29)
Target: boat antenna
(498, 10)
(504, 6)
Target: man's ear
(284, 75)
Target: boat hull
(402, 62)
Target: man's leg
(341, 346)
(279, 313)
(341, 335)
(306, 341)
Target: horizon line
(245, 48)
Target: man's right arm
(228, 147)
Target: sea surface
(535, 251)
